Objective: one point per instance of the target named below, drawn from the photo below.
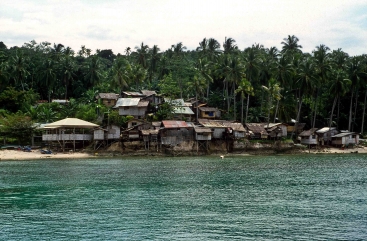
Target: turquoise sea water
(311, 197)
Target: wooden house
(181, 110)
(256, 131)
(175, 132)
(130, 94)
(309, 137)
(203, 134)
(132, 107)
(218, 127)
(209, 113)
(69, 131)
(108, 99)
(276, 130)
(324, 135)
(238, 131)
(152, 97)
(345, 139)
(291, 127)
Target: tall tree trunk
(315, 110)
(248, 102)
(350, 111)
(355, 110)
(364, 110)
(234, 103)
(332, 111)
(242, 108)
(337, 117)
(297, 118)
(276, 111)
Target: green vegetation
(255, 84)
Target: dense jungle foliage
(254, 84)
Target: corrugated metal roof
(148, 92)
(176, 102)
(109, 96)
(129, 93)
(203, 130)
(256, 128)
(122, 102)
(208, 109)
(174, 124)
(214, 123)
(236, 126)
(148, 132)
(183, 110)
(344, 134)
(308, 132)
(143, 103)
(325, 129)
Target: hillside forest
(253, 84)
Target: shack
(132, 107)
(175, 132)
(324, 135)
(238, 131)
(309, 137)
(256, 131)
(218, 127)
(276, 130)
(345, 139)
(108, 99)
(209, 112)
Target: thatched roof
(108, 96)
(71, 123)
(256, 128)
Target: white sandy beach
(36, 154)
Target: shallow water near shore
(305, 197)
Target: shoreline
(8, 155)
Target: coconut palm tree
(19, 64)
(244, 88)
(273, 89)
(142, 53)
(290, 45)
(93, 69)
(229, 45)
(339, 86)
(120, 73)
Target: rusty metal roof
(108, 96)
(174, 124)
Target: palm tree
(339, 86)
(213, 49)
(69, 69)
(355, 72)
(120, 73)
(290, 45)
(273, 90)
(229, 46)
(127, 51)
(203, 48)
(93, 70)
(203, 66)
(154, 60)
(197, 84)
(48, 73)
(137, 75)
(19, 64)
(142, 52)
(323, 68)
(244, 88)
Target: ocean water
(310, 197)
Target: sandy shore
(36, 154)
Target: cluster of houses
(192, 121)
